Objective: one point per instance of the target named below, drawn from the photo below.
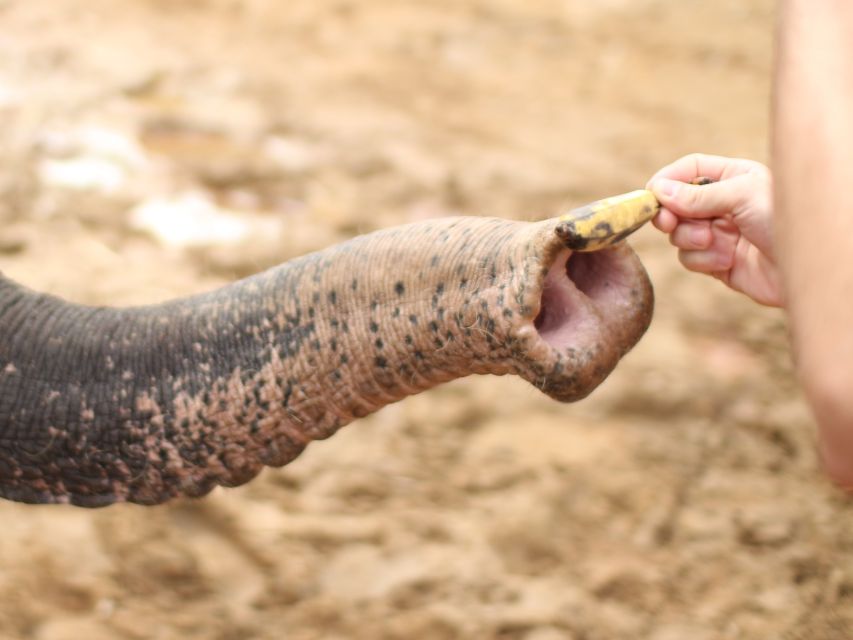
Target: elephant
(143, 404)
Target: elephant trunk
(101, 405)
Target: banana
(603, 223)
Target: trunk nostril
(577, 284)
(589, 272)
(556, 305)
(542, 318)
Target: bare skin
(102, 405)
(789, 242)
(813, 163)
(722, 229)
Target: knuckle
(674, 239)
(688, 260)
(681, 239)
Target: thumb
(717, 199)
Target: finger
(665, 220)
(715, 200)
(719, 256)
(695, 165)
(709, 261)
(692, 235)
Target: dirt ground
(152, 148)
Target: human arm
(813, 168)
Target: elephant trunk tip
(592, 308)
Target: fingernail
(667, 187)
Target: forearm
(813, 166)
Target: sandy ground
(151, 148)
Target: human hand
(723, 229)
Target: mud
(152, 148)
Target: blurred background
(154, 148)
